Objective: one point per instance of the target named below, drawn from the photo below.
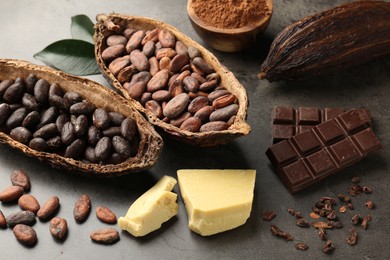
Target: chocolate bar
(287, 121)
(323, 150)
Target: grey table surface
(28, 26)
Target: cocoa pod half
(347, 35)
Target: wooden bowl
(229, 40)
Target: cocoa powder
(230, 14)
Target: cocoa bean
(158, 81)
(54, 142)
(21, 134)
(58, 102)
(135, 41)
(31, 80)
(48, 208)
(116, 119)
(143, 76)
(118, 64)
(56, 90)
(90, 155)
(191, 84)
(16, 118)
(58, 228)
(216, 94)
(139, 60)
(81, 125)
(214, 126)
(198, 77)
(191, 124)
(165, 64)
(167, 39)
(31, 120)
(176, 88)
(30, 102)
(176, 105)
(224, 101)
(121, 146)
(126, 74)
(197, 103)
(60, 122)
(181, 48)
(46, 131)
(208, 85)
(48, 116)
(154, 65)
(38, 144)
(75, 149)
(112, 131)
(82, 208)
(29, 202)
(165, 52)
(84, 107)
(5, 111)
(68, 134)
(155, 108)
(20, 178)
(161, 95)
(149, 48)
(103, 148)
(113, 52)
(202, 65)
(225, 113)
(105, 236)
(178, 62)
(128, 128)
(116, 39)
(204, 113)
(3, 221)
(11, 193)
(72, 97)
(25, 235)
(4, 85)
(193, 52)
(177, 121)
(22, 217)
(105, 215)
(101, 119)
(128, 32)
(137, 90)
(197, 94)
(151, 36)
(14, 93)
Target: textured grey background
(28, 26)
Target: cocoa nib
(295, 213)
(302, 223)
(365, 221)
(356, 219)
(268, 215)
(322, 234)
(328, 247)
(369, 204)
(352, 237)
(301, 246)
(279, 233)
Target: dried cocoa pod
(77, 89)
(344, 36)
(178, 54)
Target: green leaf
(73, 56)
(82, 28)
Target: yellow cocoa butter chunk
(216, 200)
(153, 208)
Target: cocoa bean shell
(104, 28)
(150, 145)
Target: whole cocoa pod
(347, 35)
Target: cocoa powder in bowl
(230, 14)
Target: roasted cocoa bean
(29, 202)
(14, 93)
(90, 155)
(101, 119)
(81, 126)
(121, 146)
(214, 76)
(82, 108)
(103, 148)
(105, 215)
(31, 120)
(41, 91)
(94, 135)
(21, 134)
(72, 98)
(25, 235)
(176, 105)
(105, 236)
(113, 52)
(60, 122)
(58, 228)
(5, 111)
(11, 193)
(54, 142)
(16, 118)
(20, 178)
(48, 116)
(46, 131)
(4, 85)
(58, 102)
(38, 144)
(116, 119)
(30, 102)
(112, 131)
(55, 90)
(75, 149)
(22, 217)
(49, 208)
(82, 208)
(31, 80)
(68, 134)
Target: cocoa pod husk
(329, 41)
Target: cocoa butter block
(325, 149)
(287, 121)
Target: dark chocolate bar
(287, 121)
(325, 149)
